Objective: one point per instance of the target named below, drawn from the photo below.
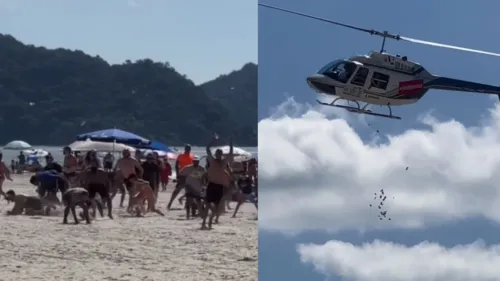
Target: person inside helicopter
(339, 70)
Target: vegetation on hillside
(50, 96)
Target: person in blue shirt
(49, 182)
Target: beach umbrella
(99, 146)
(17, 145)
(36, 152)
(114, 135)
(158, 146)
(162, 154)
(240, 154)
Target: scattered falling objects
(232, 88)
(382, 214)
(83, 123)
(407, 168)
(377, 131)
(31, 103)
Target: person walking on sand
(166, 172)
(217, 180)
(183, 160)
(70, 164)
(194, 176)
(4, 174)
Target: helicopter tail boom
(451, 84)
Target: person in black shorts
(97, 182)
(151, 172)
(218, 178)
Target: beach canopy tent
(240, 154)
(17, 145)
(99, 146)
(157, 146)
(115, 135)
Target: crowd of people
(87, 182)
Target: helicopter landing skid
(360, 110)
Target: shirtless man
(217, 180)
(4, 174)
(73, 197)
(194, 176)
(142, 192)
(96, 181)
(129, 168)
(30, 205)
(70, 164)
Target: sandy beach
(126, 248)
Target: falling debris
(407, 168)
(32, 104)
(232, 88)
(382, 197)
(83, 123)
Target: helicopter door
(379, 82)
(360, 78)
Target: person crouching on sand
(140, 193)
(29, 205)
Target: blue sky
(201, 39)
(290, 49)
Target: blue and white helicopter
(383, 79)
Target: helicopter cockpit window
(379, 81)
(339, 70)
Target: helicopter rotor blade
(435, 44)
(385, 34)
(370, 31)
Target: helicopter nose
(319, 83)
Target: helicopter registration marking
(353, 91)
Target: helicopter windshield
(339, 70)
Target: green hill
(50, 96)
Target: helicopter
(383, 79)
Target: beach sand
(126, 248)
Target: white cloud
(385, 261)
(133, 3)
(319, 174)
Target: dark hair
(10, 193)
(33, 180)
